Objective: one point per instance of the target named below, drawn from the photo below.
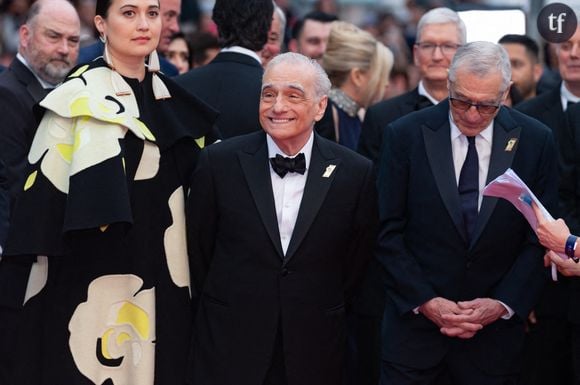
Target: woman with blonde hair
(358, 67)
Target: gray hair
(442, 15)
(482, 58)
(321, 81)
(278, 11)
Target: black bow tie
(283, 165)
(423, 102)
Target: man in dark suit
(462, 270)
(281, 226)
(549, 339)
(439, 33)
(48, 49)
(49, 45)
(231, 82)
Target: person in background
(358, 67)
(231, 82)
(554, 320)
(439, 33)
(179, 53)
(524, 56)
(283, 224)
(204, 48)
(275, 36)
(310, 34)
(461, 271)
(48, 50)
(96, 258)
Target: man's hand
(482, 311)
(439, 309)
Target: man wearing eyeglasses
(439, 33)
(462, 270)
(554, 336)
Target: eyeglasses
(446, 48)
(464, 105)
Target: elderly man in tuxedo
(462, 270)
(281, 225)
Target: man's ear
(24, 34)
(321, 108)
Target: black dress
(109, 296)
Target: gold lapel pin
(328, 171)
(510, 144)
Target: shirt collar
(43, 83)
(423, 91)
(567, 96)
(273, 149)
(486, 134)
(243, 51)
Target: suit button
(284, 272)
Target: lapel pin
(510, 144)
(328, 171)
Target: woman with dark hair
(98, 236)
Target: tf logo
(557, 22)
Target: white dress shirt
(243, 51)
(421, 90)
(567, 96)
(288, 191)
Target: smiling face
(433, 64)
(132, 29)
(289, 106)
(569, 59)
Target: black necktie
(469, 187)
(283, 165)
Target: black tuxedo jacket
(231, 83)
(380, 115)
(19, 92)
(248, 288)
(547, 108)
(423, 244)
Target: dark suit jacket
(423, 246)
(231, 83)
(380, 115)
(248, 287)
(547, 108)
(19, 92)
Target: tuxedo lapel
(506, 135)
(26, 77)
(438, 148)
(254, 163)
(319, 180)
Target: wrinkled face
(523, 68)
(178, 55)
(289, 106)
(569, 58)
(170, 11)
(274, 44)
(475, 90)
(50, 43)
(313, 39)
(132, 29)
(434, 50)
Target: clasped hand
(462, 319)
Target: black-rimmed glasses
(429, 48)
(464, 105)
